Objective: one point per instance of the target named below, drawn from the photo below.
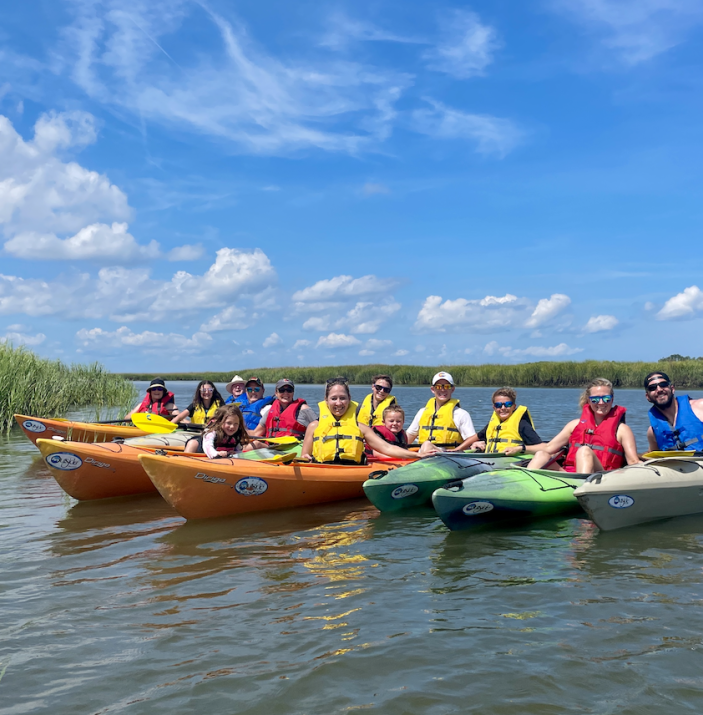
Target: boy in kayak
(510, 430)
(391, 430)
(676, 422)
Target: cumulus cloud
(342, 288)
(272, 340)
(548, 308)
(17, 338)
(301, 344)
(146, 341)
(97, 242)
(561, 350)
(490, 135)
(337, 340)
(683, 305)
(231, 318)
(186, 253)
(466, 46)
(600, 323)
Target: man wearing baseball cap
(676, 422)
(287, 416)
(237, 391)
(256, 405)
(441, 422)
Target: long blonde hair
(596, 382)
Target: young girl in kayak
(599, 441)
(337, 438)
(224, 435)
(391, 430)
(206, 402)
(158, 400)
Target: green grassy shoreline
(685, 373)
(31, 385)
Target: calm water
(122, 607)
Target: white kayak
(658, 489)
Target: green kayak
(505, 495)
(413, 484)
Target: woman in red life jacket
(158, 400)
(599, 441)
(226, 434)
(288, 417)
(391, 431)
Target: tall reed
(685, 373)
(32, 385)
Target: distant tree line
(686, 373)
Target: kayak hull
(226, 487)
(412, 486)
(507, 495)
(642, 493)
(44, 428)
(109, 469)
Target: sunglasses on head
(663, 385)
(605, 399)
(507, 404)
(381, 388)
(337, 381)
(285, 388)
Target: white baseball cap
(443, 376)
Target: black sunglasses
(380, 388)
(663, 384)
(285, 388)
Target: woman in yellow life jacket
(510, 429)
(205, 402)
(337, 437)
(441, 424)
(371, 411)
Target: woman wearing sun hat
(158, 400)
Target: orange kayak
(199, 489)
(41, 427)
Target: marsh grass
(685, 373)
(32, 385)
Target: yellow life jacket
(501, 435)
(437, 425)
(201, 416)
(373, 418)
(335, 440)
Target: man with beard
(677, 422)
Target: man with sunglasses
(441, 423)
(371, 410)
(676, 422)
(510, 429)
(256, 405)
(287, 416)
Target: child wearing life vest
(391, 431)
(225, 435)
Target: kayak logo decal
(95, 463)
(477, 507)
(621, 501)
(65, 461)
(34, 426)
(404, 490)
(251, 486)
(210, 480)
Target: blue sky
(219, 185)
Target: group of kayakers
(347, 433)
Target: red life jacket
(280, 423)
(228, 443)
(158, 407)
(601, 439)
(399, 440)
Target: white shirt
(462, 420)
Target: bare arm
(380, 445)
(626, 438)
(697, 407)
(260, 430)
(180, 416)
(467, 443)
(653, 446)
(306, 452)
(560, 441)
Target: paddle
(660, 454)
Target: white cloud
(342, 288)
(466, 47)
(488, 314)
(236, 91)
(272, 340)
(548, 308)
(366, 353)
(400, 353)
(600, 323)
(247, 352)
(337, 340)
(301, 344)
(561, 350)
(682, 305)
(186, 252)
(18, 338)
(343, 30)
(367, 317)
(147, 341)
(231, 318)
(375, 344)
(318, 323)
(491, 135)
(637, 30)
(95, 242)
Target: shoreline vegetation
(31, 385)
(685, 372)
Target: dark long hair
(198, 399)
